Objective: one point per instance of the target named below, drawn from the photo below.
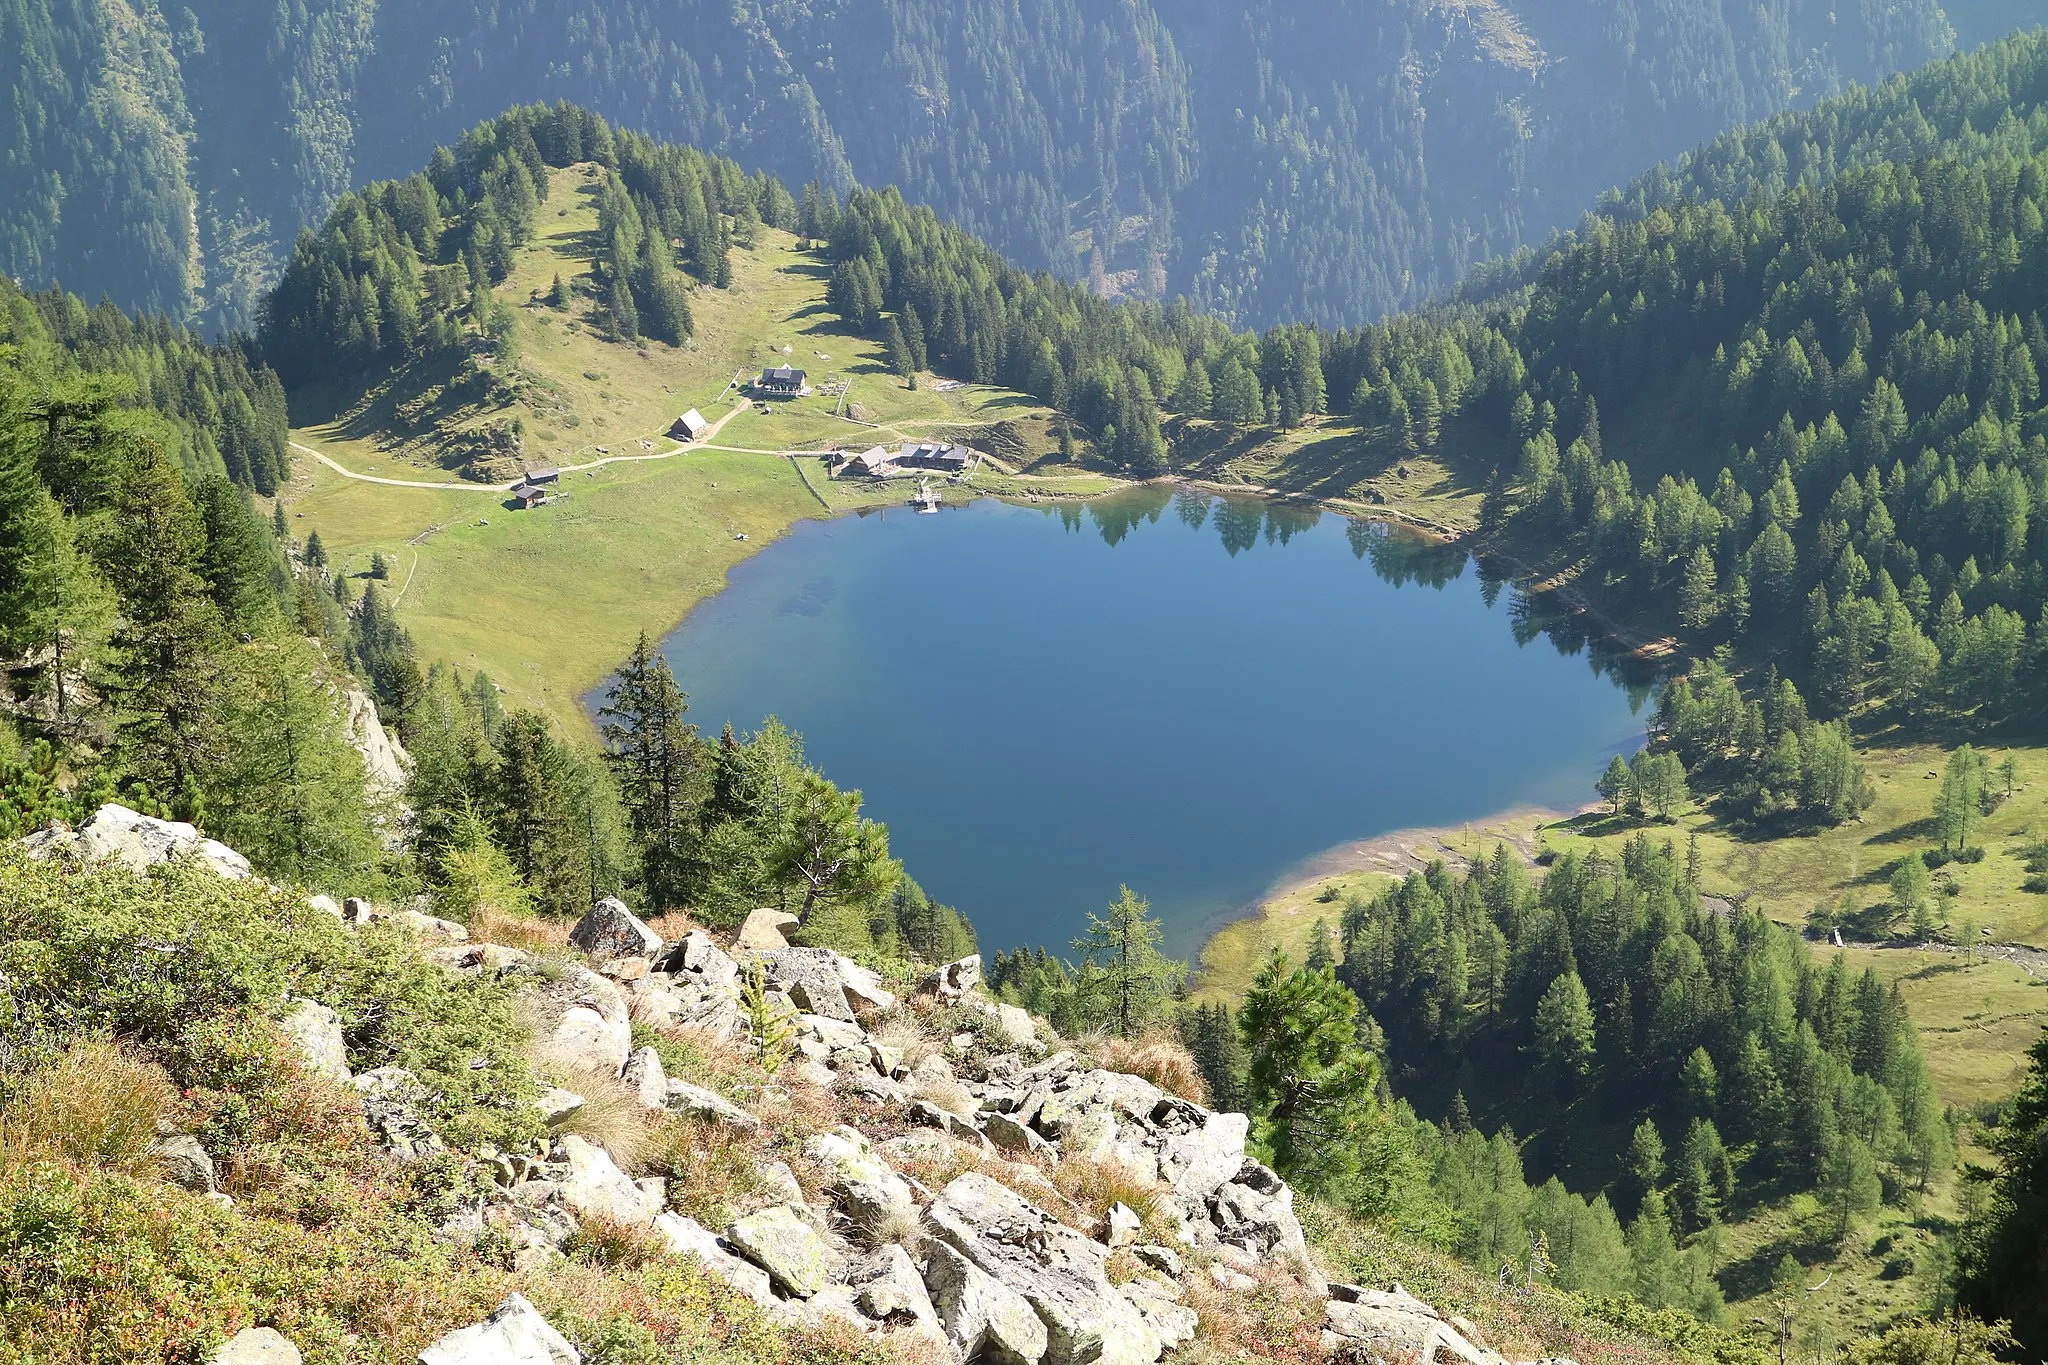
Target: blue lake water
(1189, 695)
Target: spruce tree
(661, 767)
(289, 792)
(163, 655)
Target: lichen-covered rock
(820, 981)
(314, 1032)
(1382, 1324)
(688, 1237)
(867, 1189)
(1015, 1025)
(392, 1099)
(184, 1162)
(1005, 1132)
(888, 1289)
(982, 1318)
(594, 1184)
(955, 979)
(609, 930)
(698, 1102)
(256, 1346)
(1255, 1212)
(646, 1078)
(699, 957)
(1059, 1272)
(1197, 1151)
(516, 1334)
(779, 1241)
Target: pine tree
(1614, 784)
(242, 575)
(827, 850)
(1309, 1081)
(1958, 804)
(1136, 981)
(897, 351)
(1564, 1030)
(1698, 601)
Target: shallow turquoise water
(1184, 694)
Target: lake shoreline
(1284, 915)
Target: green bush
(185, 966)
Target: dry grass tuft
(611, 1116)
(901, 1226)
(900, 1028)
(1094, 1184)
(671, 924)
(947, 1093)
(1160, 1057)
(607, 1242)
(489, 924)
(95, 1106)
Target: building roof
(782, 374)
(544, 475)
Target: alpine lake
(1189, 694)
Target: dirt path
(465, 484)
(2031, 960)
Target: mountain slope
(1322, 164)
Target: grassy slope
(548, 601)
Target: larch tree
(1133, 982)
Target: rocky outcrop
(138, 842)
(385, 761)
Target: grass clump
(95, 1105)
(1160, 1057)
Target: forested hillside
(1287, 162)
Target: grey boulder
(314, 1031)
(184, 1162)
(515, 1334)
(982, 1318)
(594, 1184)
(867, 1189)
(778, 1240)
(1059, 1272)
(609, 930)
